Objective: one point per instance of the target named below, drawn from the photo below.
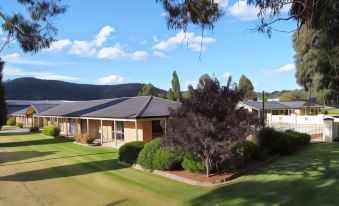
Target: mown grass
(333, 112)
(6, 127)
(35, 170)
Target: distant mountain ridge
(28, 88)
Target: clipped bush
(129, 152)
(85, 138)
(304, 138)
(146, 155)
(244, 151)
(34, 129)
(11, 122)
(20, 125)
(268, 138)
(51, 130)
(288, 143)
(192, 163)
(166, 159)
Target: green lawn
(35, 170)
(334, 111)
(6, 127)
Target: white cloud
(159, 54)
(142, 42)
(155, 38)
(82, 48)
(285, 68)
(104, 33)
(163, 14)
(59, 45)
(11, 71)
(226, 75)
(87, 49)
(116, 52)
(15, 58)
(189, 39)
(111, 79)
(241, 10)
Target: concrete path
(14, 131)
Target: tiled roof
(279, 105)
(125, 108)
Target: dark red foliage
(208, 122)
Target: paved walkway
(14, 131)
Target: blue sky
(113, 42)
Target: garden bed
(200, 179)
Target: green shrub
(11, 122)
(192, 163)
(51, 130)
(146, 155)
(34, 129)
(268, 138)
(129, 152)
(85, 138)
(20, 125)
(288, 143)
(244, 151)
(166, 159)
(304, 138)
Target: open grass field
(6, 127)
(333, 112)
(36, 170)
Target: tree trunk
(207, 167)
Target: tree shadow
(55, 158)
(5, 134)
(21, 155)
(35, 142)
(64, 171)
(118, 202)
(308, 178)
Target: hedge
(146, 155)
(242, 152)
(193, 163)
(85, 138)
(129, 152)
(51, 130)
(20, 125)
(166, 159)
(11, 122)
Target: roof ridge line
(143, 108)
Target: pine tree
(3, 112)
(246, 87)
(176, 87)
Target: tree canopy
(176, 86)
(208, 122)
(33, 31)
(317, 63)
(3, 111)
(246, 87)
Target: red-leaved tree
(208, 122)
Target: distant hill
(28, 88)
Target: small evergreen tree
(147, 90)
(245, 86)
(170, 95)
(176, 87)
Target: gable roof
(124, 108)
(279, 105)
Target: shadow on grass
(35, 142)
(65, 171)
(53, 158)
(118, 202)
(307, 178)
(21, 155)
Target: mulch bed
(219, 177)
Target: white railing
(295, 119)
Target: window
(156, 127)
(119, 130)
